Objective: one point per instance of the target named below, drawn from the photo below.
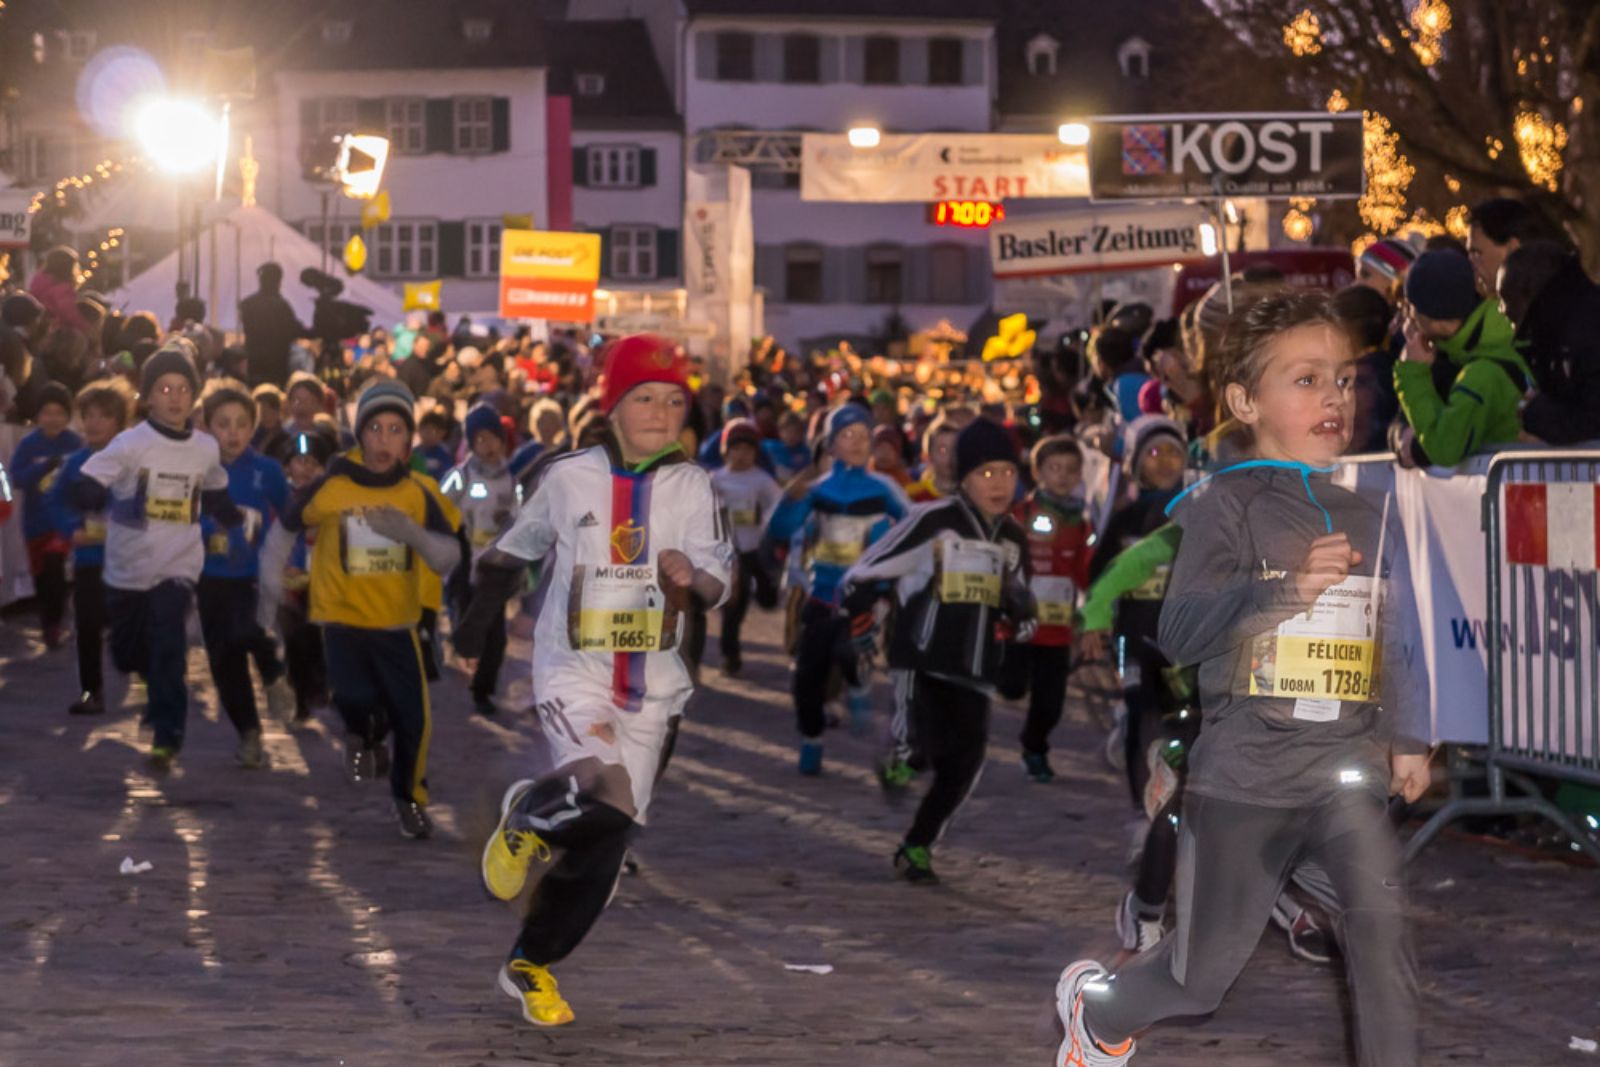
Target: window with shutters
(336, 115)
(633, 253)
(407, 123)
(614, 166)
(736, 57)
(802, 58)
(77, 45)
(802, 274)
(590, 84)
(885, 274)
(476, 30)
(947, 274)
(337, 234)
(944, 61)
(337, 31)
(882, 61)
(405, 249)
(474, 125)
(483, 248)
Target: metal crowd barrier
(1541, 512)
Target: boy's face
(942, 457)
(548, 427)
(885, 455)
(1061, 474)
(271, 415)
(52, 419)
(649, 418)
(1161, 463)
(852, 445)
(431, 435)
(304, 404)
(742, 456)
(489, 447)
(232, 426)
(99, 426)
(385, 441)
(1304, 409)
(1434, 330)
(992, 487)
(304, 469)
(171, 400)
(792, 432)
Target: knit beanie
(1390, 257)
(1441, 285)
(845, 416)
(388, 394)
(483, 417)
(637, 360)
(1142, 432)
(983, 441)
(740, 432)
(307, 443)
(171, 358)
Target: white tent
(230, 251)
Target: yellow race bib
(170, 497)
(1055, 597)
(1323, 656)
(368, 553)
(94, 529)
(619, 608)
(970, 572)
(842, 538)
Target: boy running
(1277, 594)
(747, 495)
(35, 464)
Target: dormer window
(1134, 58)
(336, 31)
(1042, 51)
(591, 84)
(478, 31)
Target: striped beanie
(1390, 257)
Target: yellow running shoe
(509, 852)
(535, 987)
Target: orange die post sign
(548, 275)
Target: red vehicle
(1307, 268)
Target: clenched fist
(1327, 563)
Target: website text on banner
(925, 167)
(548, 275)
(1177, 157)
(1111, 238)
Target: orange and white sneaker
(1079, 1048)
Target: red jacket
(1059, 545)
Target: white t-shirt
(153, 521)
(748, 499)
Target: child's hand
(677, 577)
(1418, 348)
(1410, 778)
(1327, 564)
(1093, 647)
(800, 484)
(392, 523)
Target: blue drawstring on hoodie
(1305, 469)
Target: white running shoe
(1138, 935)
(280, 701)
(1079, 1048)
(1116, 740)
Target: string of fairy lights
(60, 197)
(1540, 140)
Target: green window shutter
(372, 116)
(667, 265)
(452, 249)
(308, 120)
(441, 125)
(605, 251)
(500, 114)
(580, 166)
(647, 166)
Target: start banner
(924, 167)
(1111, 238)
(548, 275)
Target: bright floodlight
(360, 167)
(178, 136)
(1208, 239)
(1073, 134)
(864, 136)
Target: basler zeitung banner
(1171, 157)
(16, 224)
(1111, 238)
(925, 167)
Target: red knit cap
(636, 360)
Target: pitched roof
(920, 10)
(635, 94)
(420, 35)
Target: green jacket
(1482, 408)
(1138, 567)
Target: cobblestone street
(285, 921)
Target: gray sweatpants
(1233, 861)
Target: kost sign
(1113, 238)
(1165, 157)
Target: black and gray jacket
(954, 576)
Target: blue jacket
(784, 461)
(837, 519)
(524, 456)
(257, 483)
(435, 462)
(34, 462)
(66, 519)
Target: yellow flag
(422, 296)
(516, 222)
(355, 254)
(375, 212)
(1013, 339)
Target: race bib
(842, 538)
(484, 537)
(1155, 586)
(217, 544)
(94, 529)
(742, 514)
(367, 552)
(618, 608)
(170, 497)
(970, 573)
(1055, 597)
(1323, 656)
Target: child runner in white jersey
(747, 495)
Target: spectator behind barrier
(1556, 310)
(1497, 228)
(1469, 399)
(1367, 317)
